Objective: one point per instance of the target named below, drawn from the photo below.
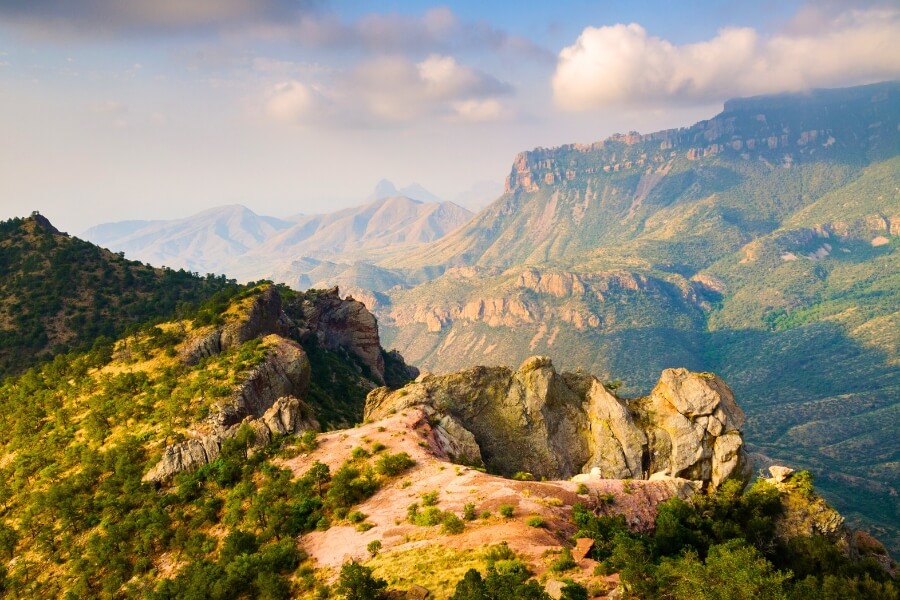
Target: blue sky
(130, 109)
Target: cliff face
(557, 425)
(270, 397)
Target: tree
(357, 583)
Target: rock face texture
(344, 324)
(286, 415)
(557, 425)
(261, 315)
(269, 398)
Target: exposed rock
(779, 473)
(260, 316)
(287, 415)
(285, 372)
(345, 324)
(417, 592)
(457, 442)
(554, 588)
(558, 425)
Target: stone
(560, 425)
(780, 473)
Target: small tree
(356, 582)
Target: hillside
(59, 293)
(760, 244)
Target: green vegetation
(726, 545)
(60, 294)
(506, 510)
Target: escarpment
(557, 425)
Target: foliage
(392, 465)
(356, 582)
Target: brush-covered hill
(60, 293)
(760, 244)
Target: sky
(136, 109)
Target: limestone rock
(457, 442)
(559, 425)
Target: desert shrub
(506, 510)
(563, 562)
(469, 512)
(356, 582)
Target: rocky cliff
(270, 398)
(557, 425)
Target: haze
(129, 109)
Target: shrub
(357, 583)
(430, 498)
(452, 524)
(506, 510)
(523, 476)
(535, 521)
(391, 465)
(469, 512)
(563, 562)
(356, 517)
(359, 453)
(374, 548)
(378, 447)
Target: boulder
(557, 425)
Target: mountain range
(237, 241)
(260, 443)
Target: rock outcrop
(557, 425)
(343, 324)
(285, 416)
(254, 317)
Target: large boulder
(557, 425)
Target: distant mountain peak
(386, 189)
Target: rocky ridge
(558, 425)
(269, 399)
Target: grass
(434, 567)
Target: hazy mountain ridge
(247, 246)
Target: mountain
(59, 293)
(760, 244)
(348, 236)
(414, 191)
(202, 243)
(237, 241)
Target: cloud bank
(393, 90)
(622, 65)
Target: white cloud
(479, 111)
(389, 90)
(621, 64)
(291, 101)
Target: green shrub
(357, 583)
(391, 465)
(582, 489)
(506, 510)
(535, 521)
(451, 524)
(523, 476)
(374, 547)
(378, 447)
(430, 498)
(469, 512)
(563, 562)
(359, 453)
(356, 517)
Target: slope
(59, 293)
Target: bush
(523, 476)
(469, 512)
(391, 465)
(359, 453)
(535, 521)
(563, 562)
(506, 510)
(378, 447)
(374, 548)
(357, 583)
(356, 517)
(452, 524)
(582, 489)
(430, 498)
